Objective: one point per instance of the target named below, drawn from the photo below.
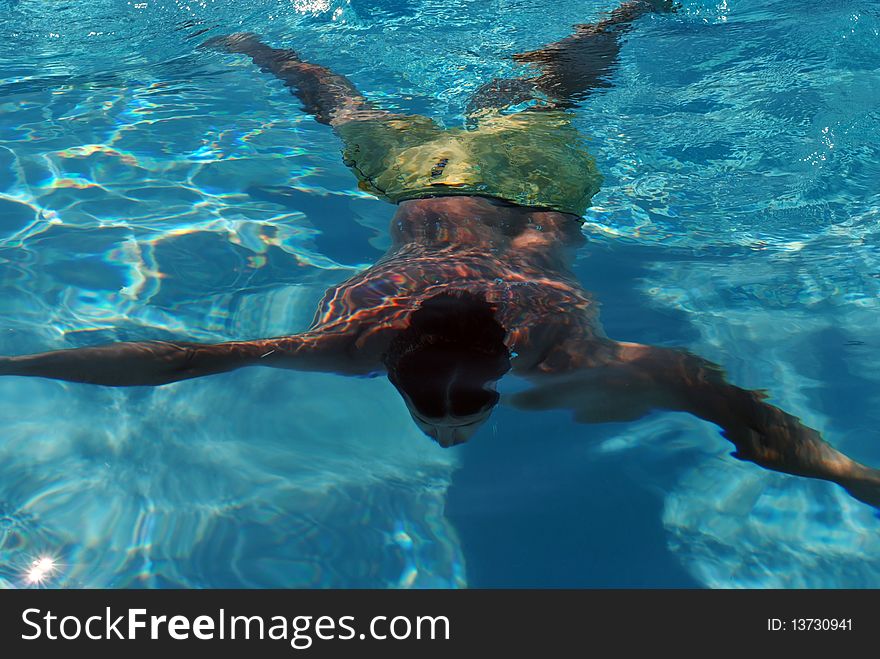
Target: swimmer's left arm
(639, 378)
(153, 363)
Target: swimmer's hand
(865, 486)
(776, 440)
(761, 432)
(635, 379)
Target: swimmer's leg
(572, 67)
(331, 98)
(636, 379)
(153, 363)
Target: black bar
(516, 622)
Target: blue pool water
(150, 189)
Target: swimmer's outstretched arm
(153, 363)
(583, 61)
(331, 98)
(640, 378)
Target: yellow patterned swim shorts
(532, 158)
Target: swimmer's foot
(663, 6)
(330, 97)
(247, 43)
(582, 61)
(629, 11)
(649, 7)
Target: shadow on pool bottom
(551, 518)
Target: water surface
(150, 189)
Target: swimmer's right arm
(635, 379)
(153, 363)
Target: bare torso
(517, 259)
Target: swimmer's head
(446, 364)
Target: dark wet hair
(451, 352)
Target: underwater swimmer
(479, 272)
